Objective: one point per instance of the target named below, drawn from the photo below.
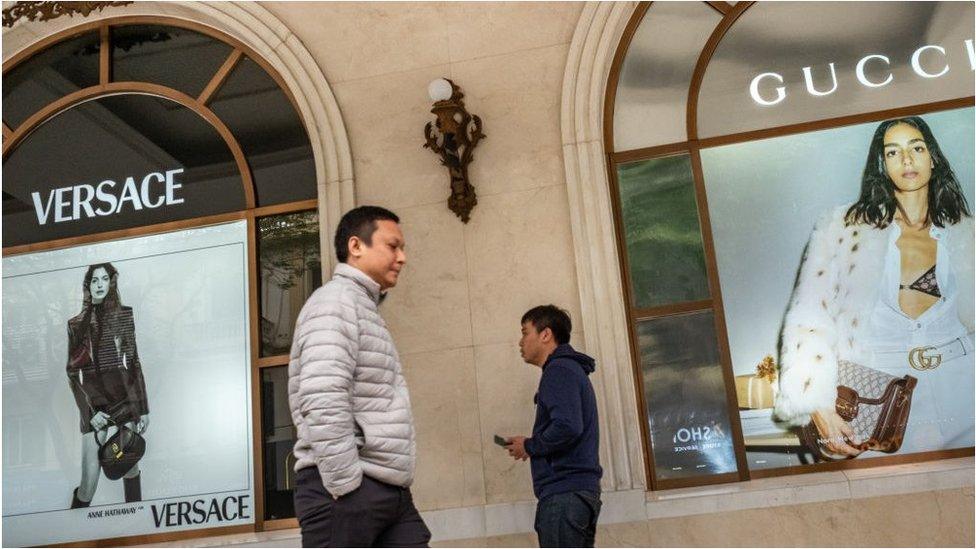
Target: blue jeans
(567, 519)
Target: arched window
(730, 129)
(137, 126)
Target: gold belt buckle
(921, 362)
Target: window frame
(693, 147)
(106, 86)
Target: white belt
(930, 357)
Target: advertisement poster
(126, 388)
(813, 301)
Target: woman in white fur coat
(890, 274)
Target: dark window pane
(162, 55)
(685, 394)
(291, 269)
(661, 230)
(278, 444)
(63, 68)
(120, 138)
(269, 130)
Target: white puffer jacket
(835, 294)
(347, 394)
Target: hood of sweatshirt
(586, 362)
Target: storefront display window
(794, 113)
(189, 190)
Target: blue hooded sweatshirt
(566, 436)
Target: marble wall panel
(429, 308)
(352, 40)
(444, 397)
(520, 254)
(484, 29)
(518, 97)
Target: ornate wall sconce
(459, 132)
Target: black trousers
(374, 515)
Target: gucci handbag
(875, 404)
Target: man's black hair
(359, 222)
(552, 317)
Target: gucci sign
(928, 61)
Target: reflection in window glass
(269, 130)
(685, 394)
(278, 444)
(162, 160)
(652, 93)
(291, 269)
(64, 68)
(159, 54)
(661, 229)
(785, 37)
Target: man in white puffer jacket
(349, 402)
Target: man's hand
(516, 448)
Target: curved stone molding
(259, 29)
(591, 52)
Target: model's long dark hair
(877, 203)
(111, 303)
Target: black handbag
(123, 450)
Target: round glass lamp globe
(440, 90)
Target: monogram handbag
(875, 404)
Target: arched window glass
(262, 118)
(159, 54)
(121, 161)
(861, 57)
(652, 92)
(225, 113)
(63, 68)
(156, 126)
(717, 226)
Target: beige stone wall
(926, 519)
(455, 312)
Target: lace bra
(927, 284)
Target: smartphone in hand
(500, 441)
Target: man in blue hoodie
(565, 444)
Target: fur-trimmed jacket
(837, 290)
(347, 395)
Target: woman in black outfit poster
(105, 376)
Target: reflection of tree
(289, 249)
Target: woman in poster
(888, 283)
(105, 376)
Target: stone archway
(597, 35)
